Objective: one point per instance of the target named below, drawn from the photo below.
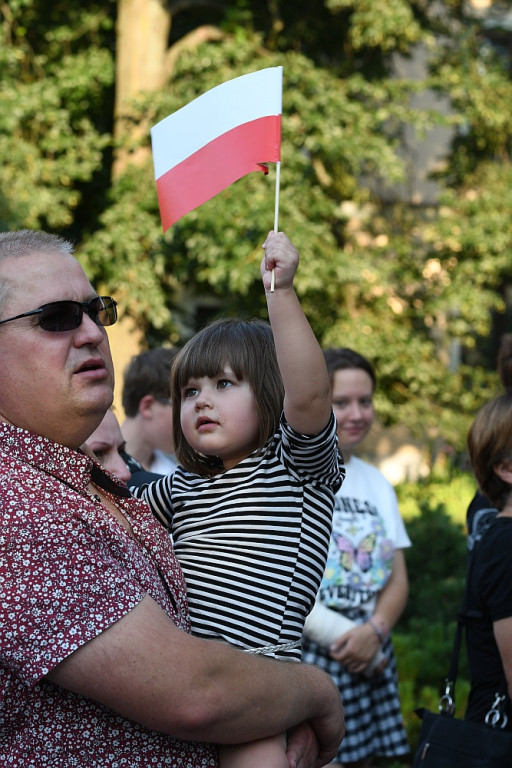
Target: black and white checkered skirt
(374, 724)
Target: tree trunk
(143, 28)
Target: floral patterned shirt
(68, 571)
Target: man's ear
(146, 406)
(504, 471)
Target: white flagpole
(276, 215)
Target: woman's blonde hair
(248, 347)
(489, 444)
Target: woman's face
(352, 401)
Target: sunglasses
(68, 315)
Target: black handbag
(448, 742)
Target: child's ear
(504, 471)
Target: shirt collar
(66, 464)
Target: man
(108, 446)
(97, 666)
(147, 427)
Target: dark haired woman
(489, 588)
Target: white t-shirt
(162, 463)
(367, 528)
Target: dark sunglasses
(67, 315)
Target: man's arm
(146, 669)
(307, 402)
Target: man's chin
(98, 398)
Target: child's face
(219, 417)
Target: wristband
(377, 631)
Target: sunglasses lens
(103, 310)
(60, 316)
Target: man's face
(57, 384)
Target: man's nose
(88, 332)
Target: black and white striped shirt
(252, 541)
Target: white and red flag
(219, 137)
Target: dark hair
(344, 358)
(505, 360)
(490, 443)
(248, 347)
(148, 373)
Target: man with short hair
(146, 399)
(97, 666)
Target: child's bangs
(209, 353)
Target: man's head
(108, 445)
(148, 373)
(147, 401)
(56, 376)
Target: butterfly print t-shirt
(367, 528)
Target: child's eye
(339, 403)
(189, 392)
(224, 384)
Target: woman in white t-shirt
(365, 579)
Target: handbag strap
(495, 717)
(447, 700)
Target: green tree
(56, 87)
(404, 282)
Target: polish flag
(219, 137)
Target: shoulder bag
(448, 742)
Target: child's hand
(281, 256)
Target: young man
(147, 427)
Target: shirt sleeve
(158, 494)
(398, 532)
(314, 459)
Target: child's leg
(265, 753)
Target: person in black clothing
(481, 511)
(488, 614)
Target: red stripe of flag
(227, 159)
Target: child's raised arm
(307, 402)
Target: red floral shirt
(68, 571)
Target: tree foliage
(408, 282)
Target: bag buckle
(495, 717)
(447, 700)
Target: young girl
(250, 505)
